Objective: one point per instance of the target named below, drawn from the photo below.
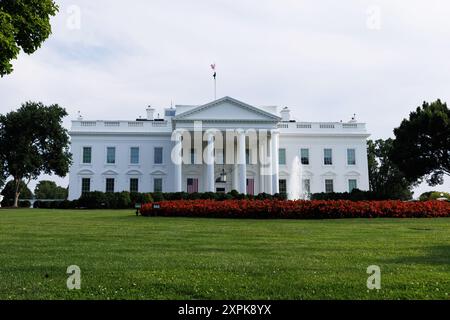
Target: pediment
(352, 174)
(329, 174)
(86, 172)
(134, 173)
(307, 174)
(158, 173)
(110, 173)
(227, 109)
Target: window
(251, 187)
(134, 185)
(111, 155)
(352, 185)
(134, 155)
(328, 157)
(85, 185)
(304, 154)
(247, 156)
(283, 186)
(192, 185)
(282, 156)
(158, 155)
(351, 157)
(110, 185)
(87, 155)
(329, 186)
(158, 185)
(307, 185)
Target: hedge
(276, 209)
(126, 200)
(355, 195)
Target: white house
(220, 146)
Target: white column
(211, 182)
(262, 178)
(275, 161)
(268, 178)
(242, 163)
(178, 162)
(235, 166)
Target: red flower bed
(275, 209)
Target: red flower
(278, 209)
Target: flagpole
(213, 67)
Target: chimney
(150, 113)
(285, 115)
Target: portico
(245, 158)
(228, 138)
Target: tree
(9, 192)
(24, 24)
(422, 144)
(33, 141)
(2, 173)
(49, 190)
(384, 176)
(434, 195)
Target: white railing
(112, 124)
(88, 123)
(119, 126)
(135, 124)
(321, 127)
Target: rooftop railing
(321, 127)
(83, 126)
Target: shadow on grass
(436, 255)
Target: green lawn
(122, 256)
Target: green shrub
(123, 200)
(158, 197)
(434, 195)
(24, 204)
(93, 200)
(355, 195)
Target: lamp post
(138, 207)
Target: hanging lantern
(222, 178)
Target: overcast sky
(324, 59)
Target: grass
(122, 256)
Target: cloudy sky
(324, 59)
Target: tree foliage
(33, 141)
(49, 190)
(385, 178)
(434, 195)
(422, 144)
(24, 24)
(9, 192)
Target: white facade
(267, 152)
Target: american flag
(192, 186)
(251, 187)
(213, 66)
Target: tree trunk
(17, 193)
